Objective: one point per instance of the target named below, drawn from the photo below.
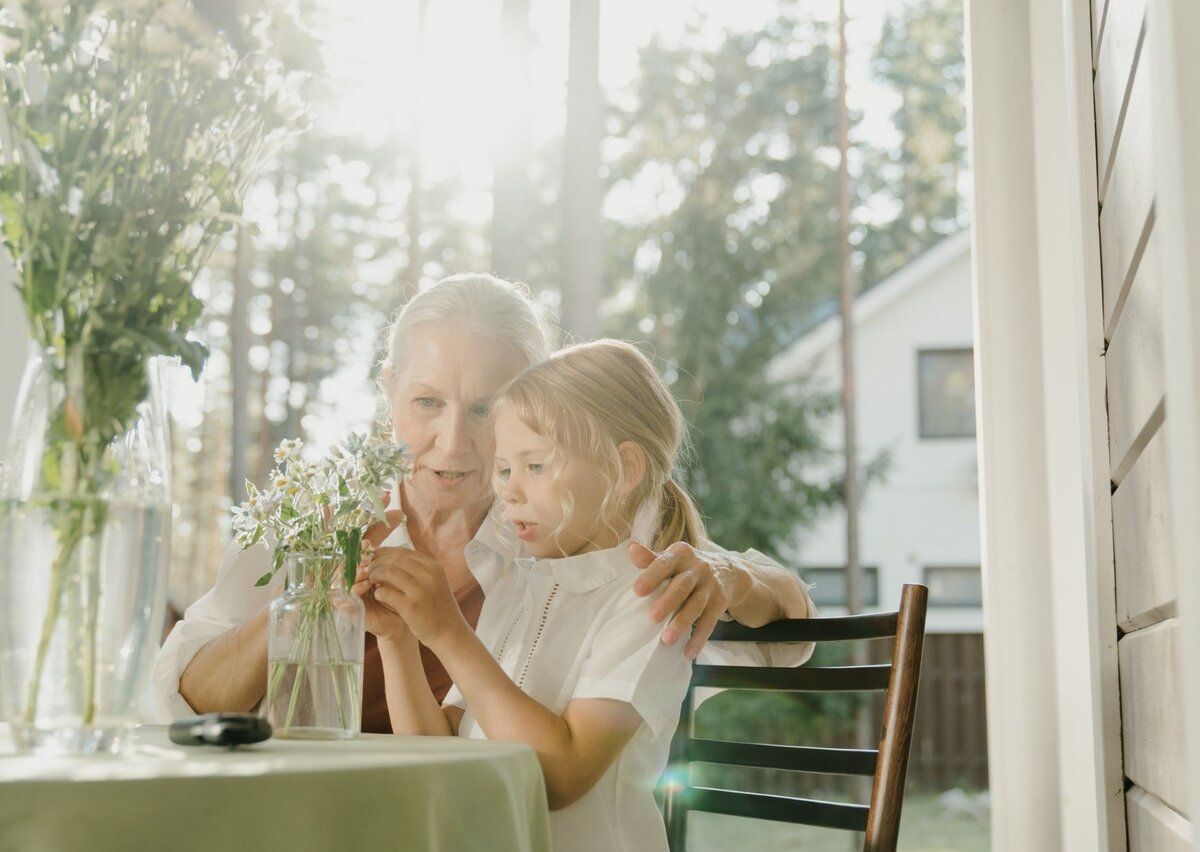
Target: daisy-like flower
(321, 507)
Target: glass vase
(315, 652)
(84, 541)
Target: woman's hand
(414, 587)
(701, 587)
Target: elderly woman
(451, 348)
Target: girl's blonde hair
(588, 399)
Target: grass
(924, 827)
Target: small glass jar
(315, 652)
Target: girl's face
(534, 495)
(439, 407)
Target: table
(378, 792)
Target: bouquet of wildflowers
(320, 508)
(316, 513)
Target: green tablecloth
(428, 794)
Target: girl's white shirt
(572, 628)
(234, 600)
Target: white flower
(35, 79)
(288, 450)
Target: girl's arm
(410, 702)
(574, 749)
(412, 709)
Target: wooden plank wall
(1151, 706)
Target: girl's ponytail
(678, 518)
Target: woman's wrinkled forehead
(454, 359)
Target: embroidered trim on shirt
(504, 642)
(538, 636)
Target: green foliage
(718, 284)
(738, 142)
(920, 58)
(127, 135)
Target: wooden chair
(888, 764)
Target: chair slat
(880, 625)
(881, 819)
(779, 808)
(828, 761)
(829, 679)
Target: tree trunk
(239, 349)
(511, 152)
(416, 261)
(582, 273)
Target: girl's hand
(384, 622)
(701, 586)
(414, 586)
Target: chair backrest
(888, 764)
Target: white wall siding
(926, 511)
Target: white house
(915, 398)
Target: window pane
(946, 379)
(829, 585)
(954, 586)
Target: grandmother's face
(439, 408)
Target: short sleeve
(627, 661)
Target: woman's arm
(704, 584)
(230, 672)
(215, 658)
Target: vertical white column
(1015, 536)
(1173, 38)
(1092, 803)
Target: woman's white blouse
(570, 629)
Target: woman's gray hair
(489, 306)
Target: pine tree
(735, 138)
(920, 58)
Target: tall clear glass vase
(315, 652)
(84, 543)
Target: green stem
(291, 713)
(66, 549)
(90, 587)
(301, 651)
(334, 650)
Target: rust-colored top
(375, 719)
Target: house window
(829, 585)
(946, 386)
(954, 585)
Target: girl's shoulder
(610, 571)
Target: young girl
(565, 657)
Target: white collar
(584, 571)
